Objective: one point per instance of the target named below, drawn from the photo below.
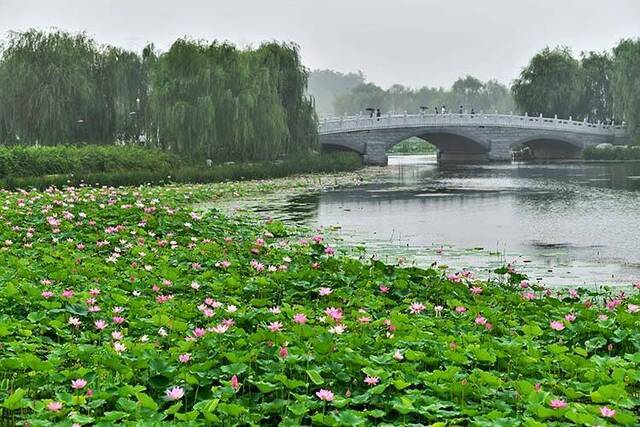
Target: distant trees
(467, 91)
(599, 86)
(197, 99)
(326, 85)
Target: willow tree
(292, 78)
(213, 100)
(47, 87)
(550, 84)
(596, 85)
(61, 88)
(625, 82)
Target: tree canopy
(196, 99)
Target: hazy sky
(413, 42)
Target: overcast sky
(412, 42)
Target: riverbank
(126, 305)
(615, 153)
(163, 174)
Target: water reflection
(567, 224)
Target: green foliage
(550, 84)
(198, 100)
(158, 169)
(203, 303)
(469, 92)
(626, 84)
(58, 88)
(596, 82)
(601, 86)
(413, 146)
(25, 161)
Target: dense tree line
(468, 92)
(598, 86)
(197, 99)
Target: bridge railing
(355, 123)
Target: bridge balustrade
(360, 123)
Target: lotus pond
(130, 307)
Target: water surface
(564, 224)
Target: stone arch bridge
(467, 137)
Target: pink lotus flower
(118, 320)
(480, 320)
(75, 322)
(54, 406)
(384, 289)
(184, 358)
(573, 293)
(175, 393)
(78, 384)
(460, 309)
(334, 313)
(275, 326)
(100, 324)
(613, 303)
(557, 325)
(117, 335)
(632, 308)
(607, 412)
(416, 308)
(47, 294)
(199, 332)
(558, 404)
(570, 317)
(528, 296)
(235, 384)
(67, 293)
(119, 347)
(603, 317)
(397, 355)
(325, 291)
(524, 284)
(325, 395)
(371, 380)
(283, 352)
(476, 290)
(300, 318)
(329, 250)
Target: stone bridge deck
(466, 137)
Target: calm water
(564, 224)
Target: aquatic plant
(128, 306)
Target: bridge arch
(549, 147)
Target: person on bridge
(461, 110)
(378, 114)
(444, 110)
(436, 108)
(473, 112)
